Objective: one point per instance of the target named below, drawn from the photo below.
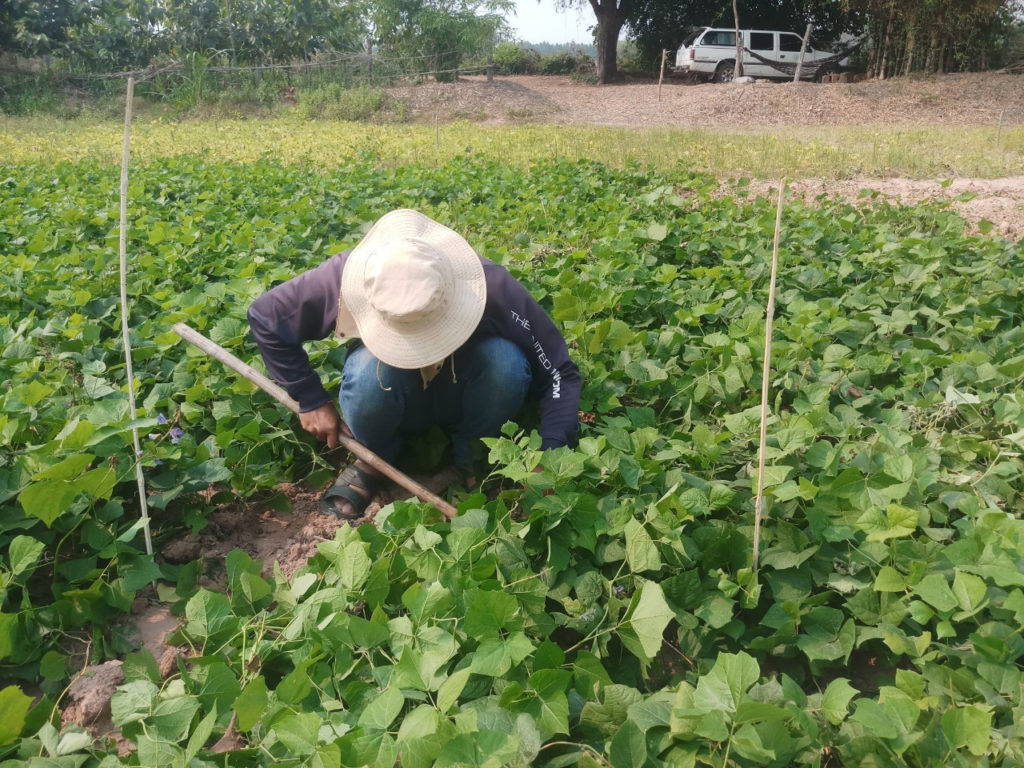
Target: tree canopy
(106, 35)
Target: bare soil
(960, 99)
(999, 201)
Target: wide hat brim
(466, 292)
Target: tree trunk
(888, 41)
(933, 63)
(908, 64)
(610, 18)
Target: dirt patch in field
(960, 99)
(287, 538)
(998, 201)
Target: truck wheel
(725, 71)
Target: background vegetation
(261, 49)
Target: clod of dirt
(168, 662)
(90, 693)
(182, 550)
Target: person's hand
(324, 423)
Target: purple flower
(157, 462)
(161, 419)
(176, 433)
(139, 452)
(619, 590)
(154, 436)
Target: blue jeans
(472, 396)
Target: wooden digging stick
(359, 450)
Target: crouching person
(442, 337)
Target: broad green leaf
(73, 740)
(200, 735)
(132, 702)
(608, 713)
(889, 580)
(895, 522)
(157, 751)
(8, 634)
(969, 591)
(99, 483)
(67, 469)
(628, 747)
(207, 612)
(647, 618)
(969, 727)
(299, 732)
(451, 688)
(48, 499)
(420, 722)
(354, 565)
(14, 706)
(488, 611)
(172, 717)
(825, 635)
(383, 710)
(641, 553)
(723, 688)
(53, 666)
(876, 721)
(250, 703)
(491, 658)
(934, 590)
(23, 552)
(836, 700)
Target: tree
(611, 17)
(39, 27)
(937, 35)
(437, 34)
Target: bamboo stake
(126, 338)
(359, 450)
(661, 76)
(765, 374)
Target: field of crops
(601, 612)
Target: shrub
(571, 62)
(335, 102)
(516, 59)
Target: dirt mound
(504, 100)
(960, 99)
(89, 695)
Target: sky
(538, 21)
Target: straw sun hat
(414, 288)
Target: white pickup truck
(710, 52)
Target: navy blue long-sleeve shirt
(306, 308)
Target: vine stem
(126, 338)
(585, 747)
(765, 374)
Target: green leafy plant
(599, 611)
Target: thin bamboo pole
(356, 448)
(661, 75)
(125, 336)
(765, 375)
